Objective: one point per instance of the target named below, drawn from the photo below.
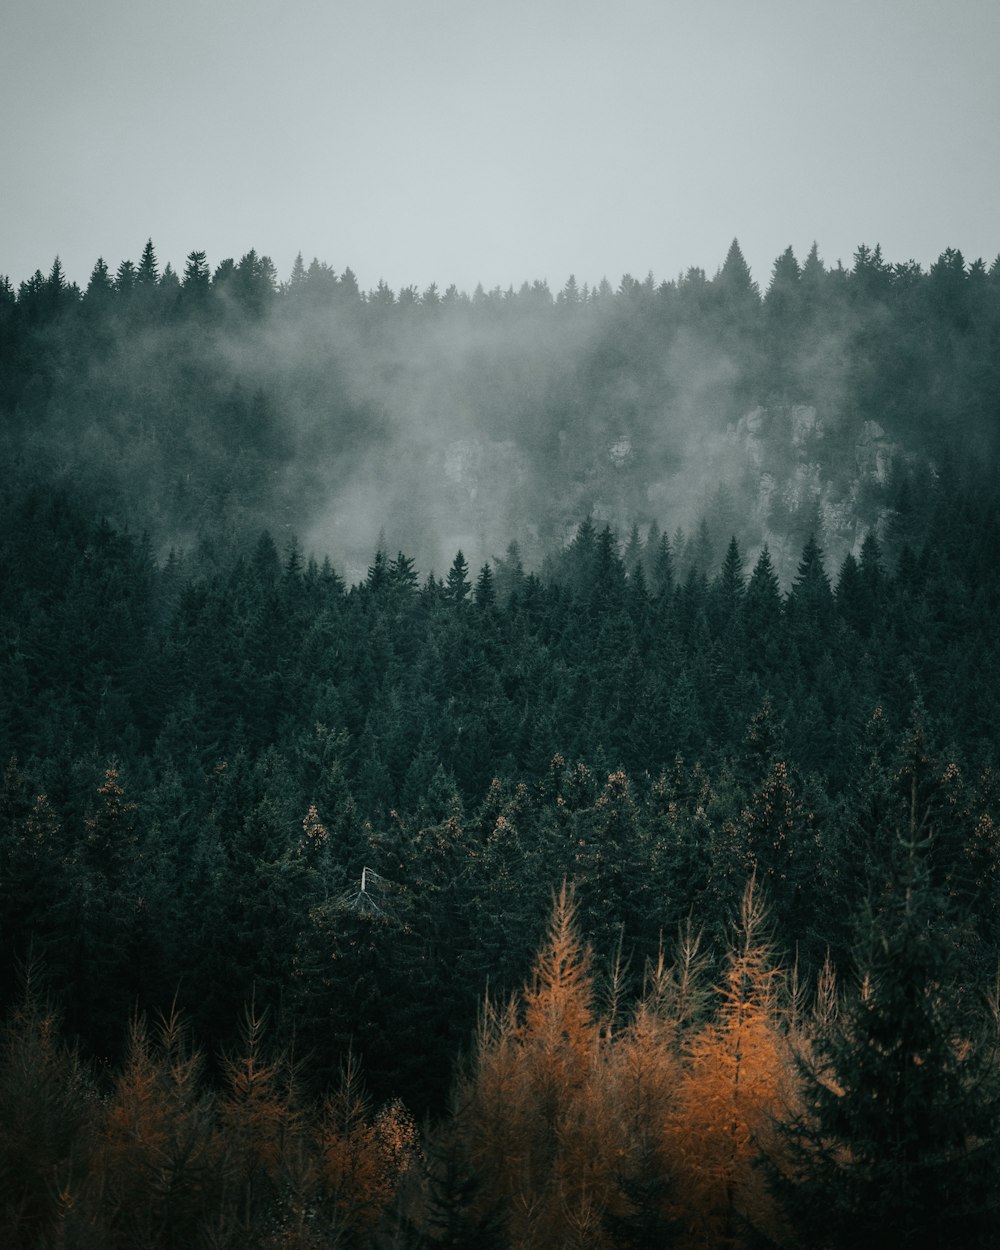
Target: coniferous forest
(515, 769)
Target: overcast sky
(497, 141)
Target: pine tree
(735, 283)
(728, 591)
(849, 594)
(632, 554)
(125, 278)
(402, 576)
(811, 584)
(663, 577)
(100, 287)
(897, 1140)
(457, 586)
(148, 272)
(762, 606)
(810, 602)
(297, 278)
(485, 594)
(451, 1218)
(196, 281)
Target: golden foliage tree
(642, 1080)
(156, 1170)
(532, 1108)
(261, 1133)
(363, 1158)
(48, 1115)
(736, 1073)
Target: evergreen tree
(896, 1142)
(297, 278)
(762, 613)
(662, 578)
(735, 283)
(485, 594)
(809, 606)
(457, 586)
(100, 286)
(378, 572)
(148, 272)
(632, 555)
(784, 328)
(728, 590)
(125, 278)
(197, 278)
(402, 575)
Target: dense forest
(512, 769)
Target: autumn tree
(644, 1077)
(736, 1072)
(531, 1108)
(156, 1168)
(363, 1157)
(47, 1125)
(260, 1129)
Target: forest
(517, 769)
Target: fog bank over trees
(221, 401)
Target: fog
(512, 416)
(429, 422)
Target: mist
(429, 422)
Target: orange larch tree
(737, 1070)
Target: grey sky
(456, 141)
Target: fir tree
(148, 272)
(457, 587)
(897, 1140)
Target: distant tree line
(224, 401)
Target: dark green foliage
(456, 585)
(451, 1220)
(897, 1141)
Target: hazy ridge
(225, 403)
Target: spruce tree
(457, 585)
(148, 272)
(895, 1142)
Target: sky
(480, 141)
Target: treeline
(222, 401)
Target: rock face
(773, 476)
(802, 472)
(806, 426)
(620, 451)
(874, 453)
(480, 482)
